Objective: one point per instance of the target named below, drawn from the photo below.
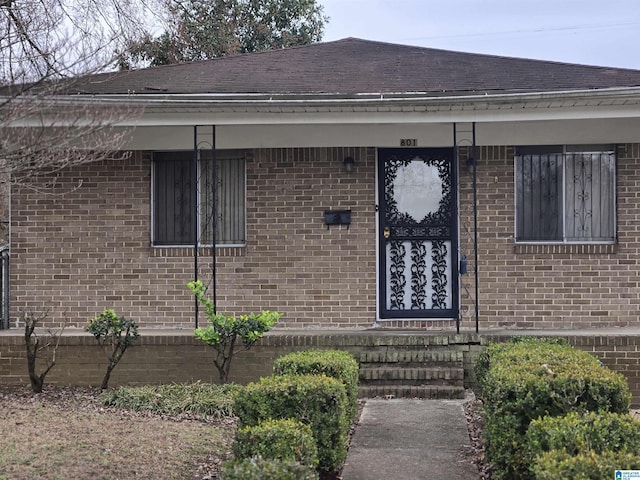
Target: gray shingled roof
(352, 66)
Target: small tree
(34, 347)
(114, 334)
(223, 330)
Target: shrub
(258, 468)
(494, 350)
(34, 347)
(115, 335)
(224, 330)
(582, 432)
(201, 399)
(530, 379)
(283, 439)
(332, 363)
(558, 464)
(315, 400)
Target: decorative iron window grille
(565, 194)
(174, 192)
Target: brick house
(357, 184)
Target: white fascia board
(367, 117)
(368, 109)
(610, 103)
(153, 118)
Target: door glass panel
(418, 189)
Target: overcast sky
(593, 32)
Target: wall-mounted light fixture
(348, 164)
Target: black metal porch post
(475, 222)
(204, 150)
(214, 219)
(472, 162)
(194, 189)
(456, 156)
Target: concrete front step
(418, 356)
(387, 373)
(411, 391)
(412, 371)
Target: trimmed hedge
(582, 432)
(483, 361)
(332, 363)
(524, 380)
(258, 468)
(316, 400)
(558, 464)
(282, 439)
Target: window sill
(566, 248)
(183, 251)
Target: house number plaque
(408, 142)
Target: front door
(417, 233)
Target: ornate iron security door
(418, 233)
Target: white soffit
(379, 115)
(391, 135)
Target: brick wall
(316, 276)
(87, 247)
(166, 357)
(548, 286)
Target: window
(565, 194)
(174, 199)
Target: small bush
(115, 335)
(200, 399)
(283, 439)
(315, 400)
(525, 380)
(258, 468)
(582, 432)
(494, 350)
(225, 333)
(332, 363)
(558, 464)
(37, 350)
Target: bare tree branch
(45, 45)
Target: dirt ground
(66, 433)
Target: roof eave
(357, 99)
(366, 108)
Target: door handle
(386, 232)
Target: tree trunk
(105, 380)
(32, 352)
(37, 382)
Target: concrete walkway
(411, 439)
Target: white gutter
(345, 100)
(366, 108)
